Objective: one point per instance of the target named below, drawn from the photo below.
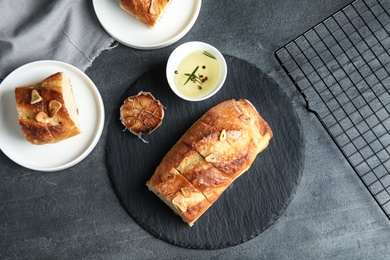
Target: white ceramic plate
(61, 155)
(178, 19)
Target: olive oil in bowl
(197, 74)
(196, 71)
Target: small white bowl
(180, 53)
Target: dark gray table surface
(75, 214)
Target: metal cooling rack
(342, 68)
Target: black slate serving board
(251, 204)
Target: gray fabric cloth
(67, 31)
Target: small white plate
(61, 155)
(178, 19)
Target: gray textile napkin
(63, 30)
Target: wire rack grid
(342, 68)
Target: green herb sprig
(191, 75)
(197, 78)
(208, 54)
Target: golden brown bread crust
(213, 152)
(178, 193)
(205, 139)
(147, 11)
(58, 127)
(201, 174)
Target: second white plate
(61, 155)
(178, 19)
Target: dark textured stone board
(251, 204)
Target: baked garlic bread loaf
(47, 112)
(214, 151)
(148, 12)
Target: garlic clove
(54, 106)
(222, 137)
(154, 8)
(42, 117)
(35, 97)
